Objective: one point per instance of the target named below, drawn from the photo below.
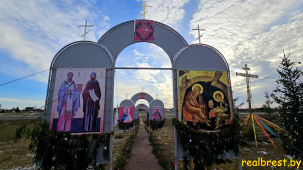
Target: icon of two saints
(69, 102)
(205, 108)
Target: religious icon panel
(126, 114)
(78, 101)
(204, 100)
(157, 113)
(142, 95)
(144, 30)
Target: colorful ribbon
(264, 131)
(254, 129)
(247, 118)
(271, 123)
(271, 131)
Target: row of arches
(87, 55)
(154, 105)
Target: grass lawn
(17, 156)
(119, 140)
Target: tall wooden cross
(157, 96)
(142, 88)
(247, 83)
(85, 29)
(126, 95)
(199, 33)
(144, 5)
(248, 91)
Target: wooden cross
(85, 29)
(142, 89)
(199, 33)
(247, 82)
(157, 96)
(126, 95)
(144, 9)
(248, 92)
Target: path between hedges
(141, 156)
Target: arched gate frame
(139, 106)
(144, 96)
(103, 55)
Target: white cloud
(231, 23)
(137, 53)
(106, 18)
(167, 12)
(160, 57)
(90, 2)
(146, 76)
(158, 82)
(165, 87)
(34, 54)
(245, 32)
(154, 81)
(33, 31)
(254, 33)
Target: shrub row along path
(141, 155)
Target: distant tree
(267, 106)
(2, 111)
(17, 110)
(236, 105)
(288, 94)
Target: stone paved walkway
(141, 156)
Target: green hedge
(60, 150)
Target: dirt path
(141, 156)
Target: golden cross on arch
(85, 32)
(144, 5)
(199, 33)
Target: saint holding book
(68, 103)
(91, 103)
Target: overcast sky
(245, 32)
